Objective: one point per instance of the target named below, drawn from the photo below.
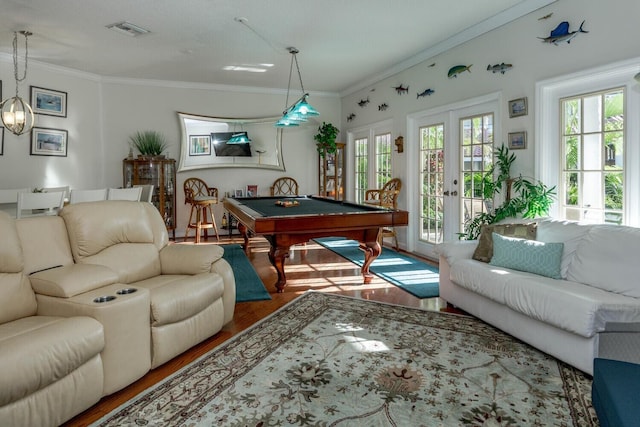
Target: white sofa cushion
(606, 259)
(574, 307)
(559, 231)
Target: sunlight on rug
(414, 276)
(325, 359)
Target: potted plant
(326, 138)
(523, 197)
(149, 143)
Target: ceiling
(344, 45)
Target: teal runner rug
(249, 287)
(414, 276)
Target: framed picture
(48, 142)
(518, 107)
(517, 140)
(1, 140)
(199, 145)
(48, 102)
(252, 190)
(237, 193)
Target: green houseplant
(149, 143)
(326, 138)
(523, 197)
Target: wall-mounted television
(223, 149)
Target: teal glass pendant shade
(304, 108)
(301, 110)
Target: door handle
(453, 193)
(446, 193)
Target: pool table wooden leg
(372, 250)
(245, 235)
(277, 255)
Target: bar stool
(201, 198)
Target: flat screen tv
(222, 149)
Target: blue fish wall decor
(562, 34)
(426, 92)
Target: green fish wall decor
(454, 71)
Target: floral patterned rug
(329, 360)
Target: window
(383, 159)
(587, 146)
(476, 134)
(361, 167)
(372, 158)
(432, 179)
(593, 151)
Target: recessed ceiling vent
(128, 28)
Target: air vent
(128, 28)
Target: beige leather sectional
(92, 299)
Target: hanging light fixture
(16, 113)
(300, 110)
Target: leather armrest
(70, 280)
(189, 259)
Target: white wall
(613, 36)
(102, 113)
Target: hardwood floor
(310, 266)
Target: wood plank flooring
(310, 266)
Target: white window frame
(548, 121)
(370, 132)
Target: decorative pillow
(527, 255)
(484, 250)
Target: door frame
(454, 111)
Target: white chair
(9, 200)
(78, 196)
(147, 192)
(37, 204)
(56, 189)
(132, 193)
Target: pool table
(286, 221)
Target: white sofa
(92, 299)
(592, 311)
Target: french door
(454, 149)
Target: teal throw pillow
(527, 255)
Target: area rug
(330, 360)
(249, 286)
(414, 276)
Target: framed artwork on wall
(199, 145)
(48, 102)
(48, 142)
(517, 140)
(252, 191)
(237, 193)
(518, 107)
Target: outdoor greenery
(326, 138)
(576, 153)
(148, 143)
(524, 197)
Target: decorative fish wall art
(363, 102)
(454, 71)
(562, 34)
(499, 68)
(426, 92)
(350, 117)
(401, 89)
(383, 107)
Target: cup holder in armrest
(126, 291)
(105, 298)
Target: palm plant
(530, 198)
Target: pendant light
(300, 110)
(16, 113)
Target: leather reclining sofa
(92, 299)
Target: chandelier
(300, 110)
(16, 113)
